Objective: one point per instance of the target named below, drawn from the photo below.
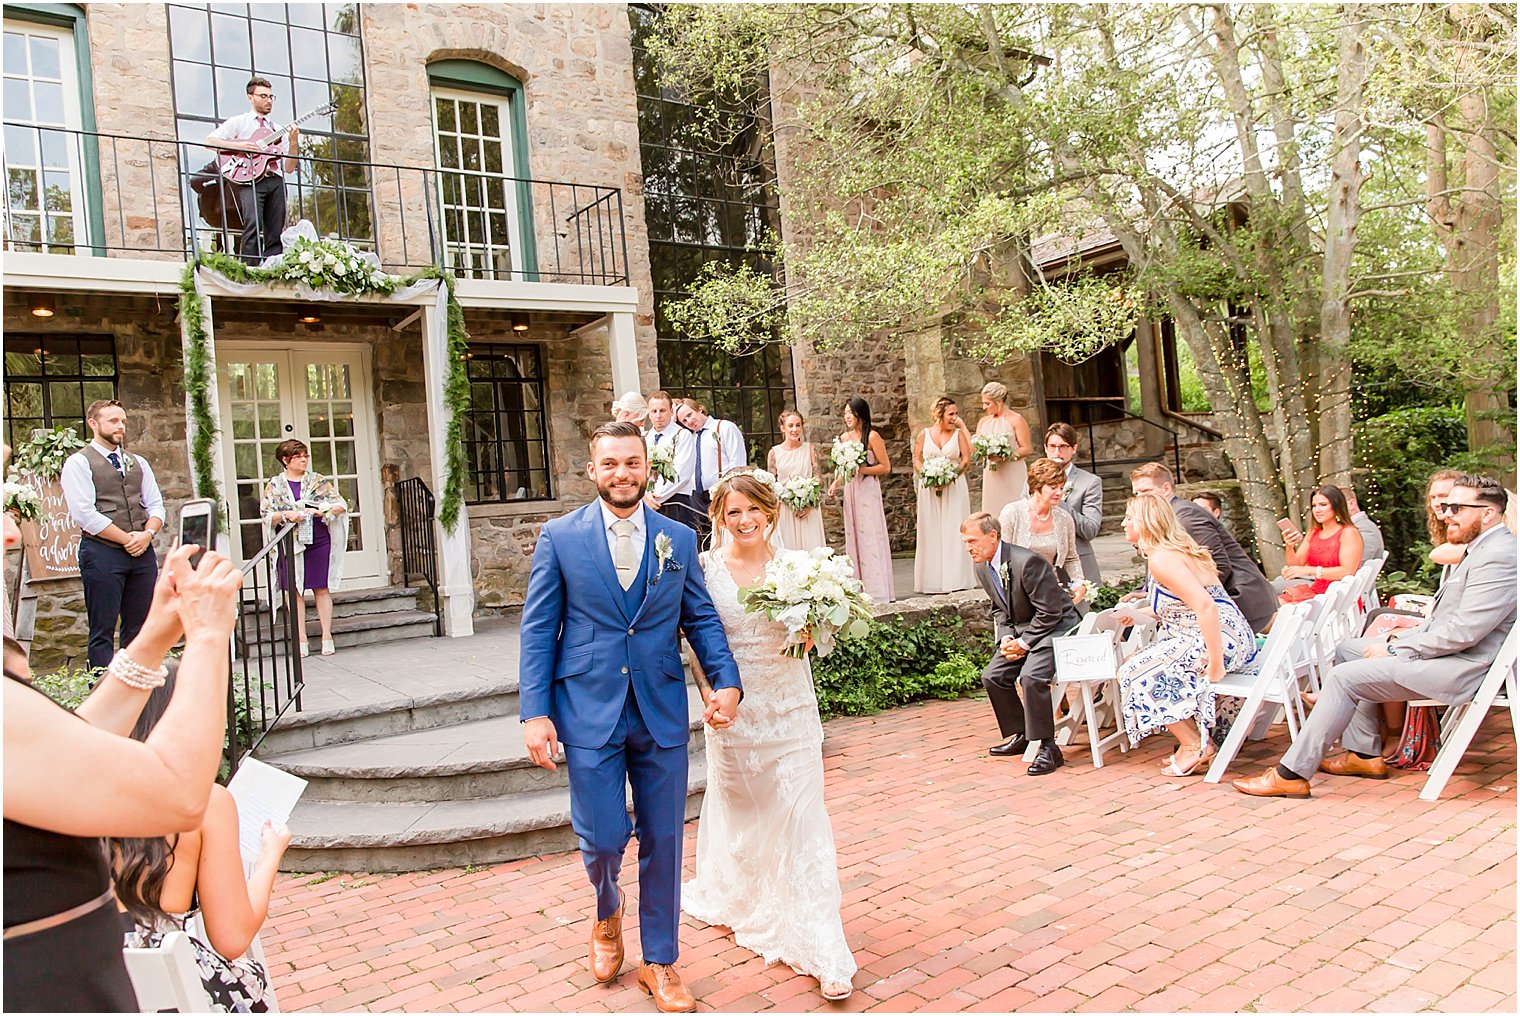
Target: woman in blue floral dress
(1200, 636)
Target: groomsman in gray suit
(1084, 495)
(1444, 657)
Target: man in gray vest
(115, 501)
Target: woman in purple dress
(865, 521)
(311, 501)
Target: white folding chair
(1274, 682)
(1462, 720)
(167, 978)
(196, 926)
(1094, 715)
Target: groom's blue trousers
(599, 815)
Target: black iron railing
(1174, 437)
(266, 662)
(92, 192)
(416, 509)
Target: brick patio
(971, 887)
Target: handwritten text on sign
(1084, 657)
(52, 542)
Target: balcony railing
(119, 195)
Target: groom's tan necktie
(623, 557)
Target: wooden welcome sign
(52, 542)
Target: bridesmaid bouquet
(801, 493)
(846, 457)
(662, 461)
(22, 499)
(938, 473)
(816, 595)
(993, 448)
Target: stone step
(339, 725)
(379, 600)
(368, 629)
(362, 836)
(460, 761)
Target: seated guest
(1036, 522)
(1029, 608)
(1245, 583)
(1210, 501)
(1372, 535)
(1200, 636)
(162, 882)
(1443, 658)
(1333, 550)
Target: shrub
(897, 664)
(1108, 594)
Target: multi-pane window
(506, 437)
(312, 54)
(50, 379)
(479, 201)
(44, 203)
(705, 203)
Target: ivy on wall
(456, 385)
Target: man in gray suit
(1372, 536)
(1245, 583)
(1084, 495)
(1445, 657)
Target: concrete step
(360, 836)
(461, 761)
(342, 724)
(370, 628)
(382, 599)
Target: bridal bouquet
(662, 461)
(846, 457)
(801, 493)
(993, 448)
(22, 499)
(938, 473)
(816, 595)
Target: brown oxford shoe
(607, 946)
(662, 982)
(1272, 784)
(1352, 764)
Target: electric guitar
(246, 167)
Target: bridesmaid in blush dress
(1003, 482)
(865, 521)
(796, 457)
(939, 563)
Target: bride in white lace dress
(766, 866)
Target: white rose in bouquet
(662, 461)
(801, 493)
(938, 473)
(995, 449)
(816, 595)
(22, 499)
(846, 457)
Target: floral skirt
(238, 985)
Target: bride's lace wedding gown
(766, 866)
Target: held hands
(722, 708)
(1012, 649)
(542, 741)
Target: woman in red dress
(1332, 551)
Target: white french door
(320, 396)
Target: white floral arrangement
(662, 461)
(994, 449)
(816, 595)
(846, 457)
(938, 473)
(801, 493)
(22, 499)
(332, 264)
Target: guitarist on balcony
(262, 201)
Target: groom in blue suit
(601, 674)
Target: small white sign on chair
(1084, 657)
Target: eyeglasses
(1455, 507)
(262, 95)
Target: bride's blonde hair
(743, 481)
(1158, 528)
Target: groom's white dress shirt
(640, 529)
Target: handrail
(270, 679)
(1202, 428)
(416, 509)
(1092, 446)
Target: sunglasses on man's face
(1455, 507)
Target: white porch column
(455, 584)
(623, 348)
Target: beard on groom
(1030, 608)
(612, 588)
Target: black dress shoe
(1047, 760)
(1015, 745)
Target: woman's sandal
(1205, 754)
(836, 991)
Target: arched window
(480, 135)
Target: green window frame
(484, 79)
(71, 18)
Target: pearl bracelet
(134, 675)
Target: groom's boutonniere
(664, 554)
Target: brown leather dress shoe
(661, 981)
(1271, 784)
(1352, 764)
(607, 946)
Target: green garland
(456, 385)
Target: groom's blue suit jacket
(583, 646)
